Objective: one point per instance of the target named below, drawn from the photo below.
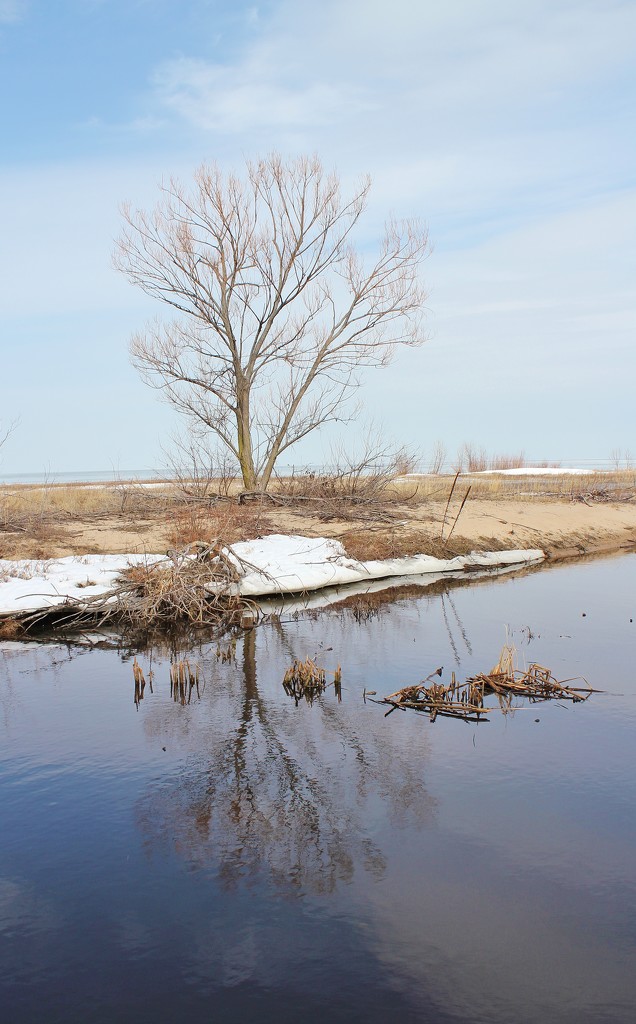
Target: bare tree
(281, 312)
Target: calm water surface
(241, 858)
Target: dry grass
(401, 516)
(10, 629)
(64, 501)
(40, 511)
(189, 523)
(308, 681)
(621, 484)
(369, 545)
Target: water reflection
(280, 794)
(243, 858)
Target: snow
(328, 596)
(279, 564)
(291, 565)
(517, 471)
(534, 471)
(30, 585)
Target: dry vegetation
(376, 513)
(505, 682)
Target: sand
(562, 528)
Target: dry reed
(306, 680)
(465, 700)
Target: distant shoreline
(580, 467)
(81, 476)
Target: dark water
(243, 859)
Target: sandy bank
(561, 528)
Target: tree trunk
(244, 437)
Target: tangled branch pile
(466, 700)
(606, 494)
(195, 586)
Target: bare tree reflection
(285, 795)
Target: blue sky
(507, 127)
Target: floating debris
(505, 681)
(308, 680)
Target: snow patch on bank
(534, 471)
(28, 584)
(284, 564)
(516, 471)
(279, 564)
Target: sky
(507, 127)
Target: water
(80, 476)
(241, 858)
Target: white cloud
(439, 59)
(238, 100)
(463, 109)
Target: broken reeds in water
(305, 679)
(465, 700)
(140, 682)
(184, 678)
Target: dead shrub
(10, 629)
(201, 472)
(357, 486)
(508, 461)
(437, 458)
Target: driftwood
(326, 506)
(603, 494)
(467, 700)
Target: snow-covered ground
(517, 471)
(29, 584)
(291, 565)
(279, 564)
(535, 471)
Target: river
(242, 858)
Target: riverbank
(150, 522)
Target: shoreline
(150, 521)
(84, 591)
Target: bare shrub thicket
(200, 472)
(621, 458)
(356, 483)
(437, 458)
(470, 459)
(508, 461)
